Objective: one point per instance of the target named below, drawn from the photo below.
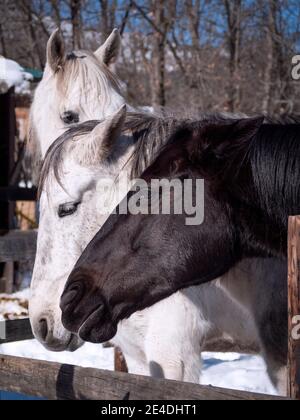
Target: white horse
(76, 87)
(153, 341)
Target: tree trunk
(56, 10)
(2, 42)
(104, 19)
(271, 50)
(159, 94)
(76, 23)
(37, 53)
(107, 17)
(233, 13)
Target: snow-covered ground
(225, 370)
(12, 74)
(228, 370)
(233, 371)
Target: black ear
(224, 141)
(55, 51)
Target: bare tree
(75, 7)
(2, 41)
(233, 10)
(55, 4)
(38, 56)
(159, 51)
(216, 55)
(270, 31)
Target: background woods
(232, 55)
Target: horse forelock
(84, 67)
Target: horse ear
(224, 140)
(109, 51)
(246, 128)
(55, 51)
(106, 134)
(216, 146)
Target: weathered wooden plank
(7, 153)
(18, 246)
(7, 280)
(63, 382)
(120, 362)
(294, 308)
(7, 161)
(13, 194)
(13, 331)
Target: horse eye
(67, 209)
(70, 117)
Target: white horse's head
(76, 87)
(76, 198)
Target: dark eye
(70, 117)
(67, 209)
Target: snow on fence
(64, 382)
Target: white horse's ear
(55, 51)
(106, 134)
(109, 51)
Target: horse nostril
(72, 295)
(43, 329)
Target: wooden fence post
(120, 362)
(294, 308)
(7, 156)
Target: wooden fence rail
(18, 246)
(55, 381)
(63, 382)
(13, 331)
(14, 194)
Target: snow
(14, 306)
(90, 355)
(236, 371)
(233, 371)
(224, 370)
(12, 74)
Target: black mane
(275, 162)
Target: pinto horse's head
(141, 258)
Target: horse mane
(150, 132)
(153, 132)
(276, 150)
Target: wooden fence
(65, 382)
(11, 161)
(55, 381)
